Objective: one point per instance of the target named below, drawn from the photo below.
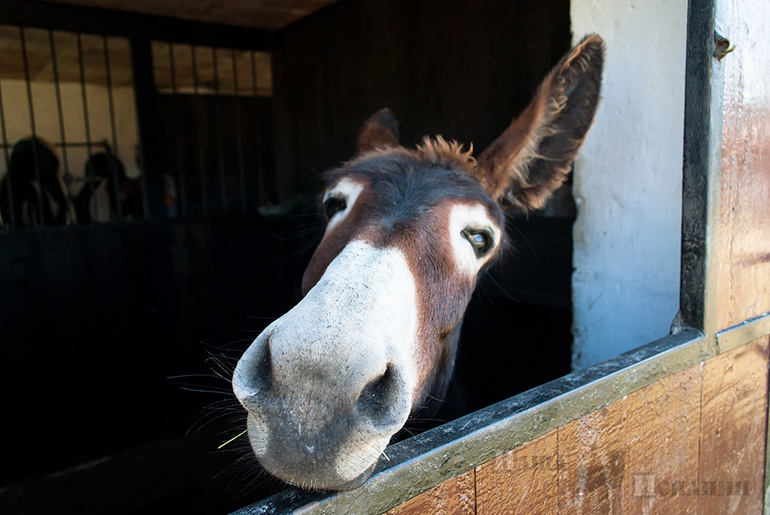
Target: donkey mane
(410, 181)
(433, 150)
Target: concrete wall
(628, 179)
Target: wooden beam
(119, 23)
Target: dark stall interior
(114, 331)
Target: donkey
(408, 232)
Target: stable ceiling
(89, 58)
(262, 14)
(236, 71)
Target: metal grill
(69, 135)
(67, 129)
(213, 110)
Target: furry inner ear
(379, 131)
(534, 155)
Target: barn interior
(120, 321)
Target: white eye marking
(339, 201)
(473, 236)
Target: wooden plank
(744, 234)
(732, 449)
(264, 14)
(456, 495)
(634, 455)
(693, 442)
(522, 481)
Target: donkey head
(328, 384)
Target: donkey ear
(379, 131)
(533, 156)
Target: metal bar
(113, 131)
(701, 174)
(701, 170)
(149, 139)
(182, 191)
(201, 153)
(430, 458)
(12, 214)
(194, 69)
(239, 136)
(72, 144)
(220, 136)
(48, 15)
(743, 333)
(86, 117)
(764, 328)
(766, 490)
(41, 221)
(63, 146)
(258, 146)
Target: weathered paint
(733, 424)
(612, 459)
(627, 182)
(744, 232)
(457, 496)
(528, 476)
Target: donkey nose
(253, 375)
(380, 398)
(372, 390)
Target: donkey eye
(334, 205)
(480, 240)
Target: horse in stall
(31, 185)
(374, 338)
(104, 168)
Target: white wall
(18, 126)
(628, 179)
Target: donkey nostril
(254, 373)
(263, 369)
(380, 398)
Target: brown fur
(379, 131)
(423, 184)
(517, 172)
(534, 155)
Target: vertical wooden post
(152, 169)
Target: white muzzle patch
(341, 370)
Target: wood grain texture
(523, 481)
(692, 442)
(37, 43)
(454, 496)
(744, 231)
(264, 14)
(732, 449)
(625, 457)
